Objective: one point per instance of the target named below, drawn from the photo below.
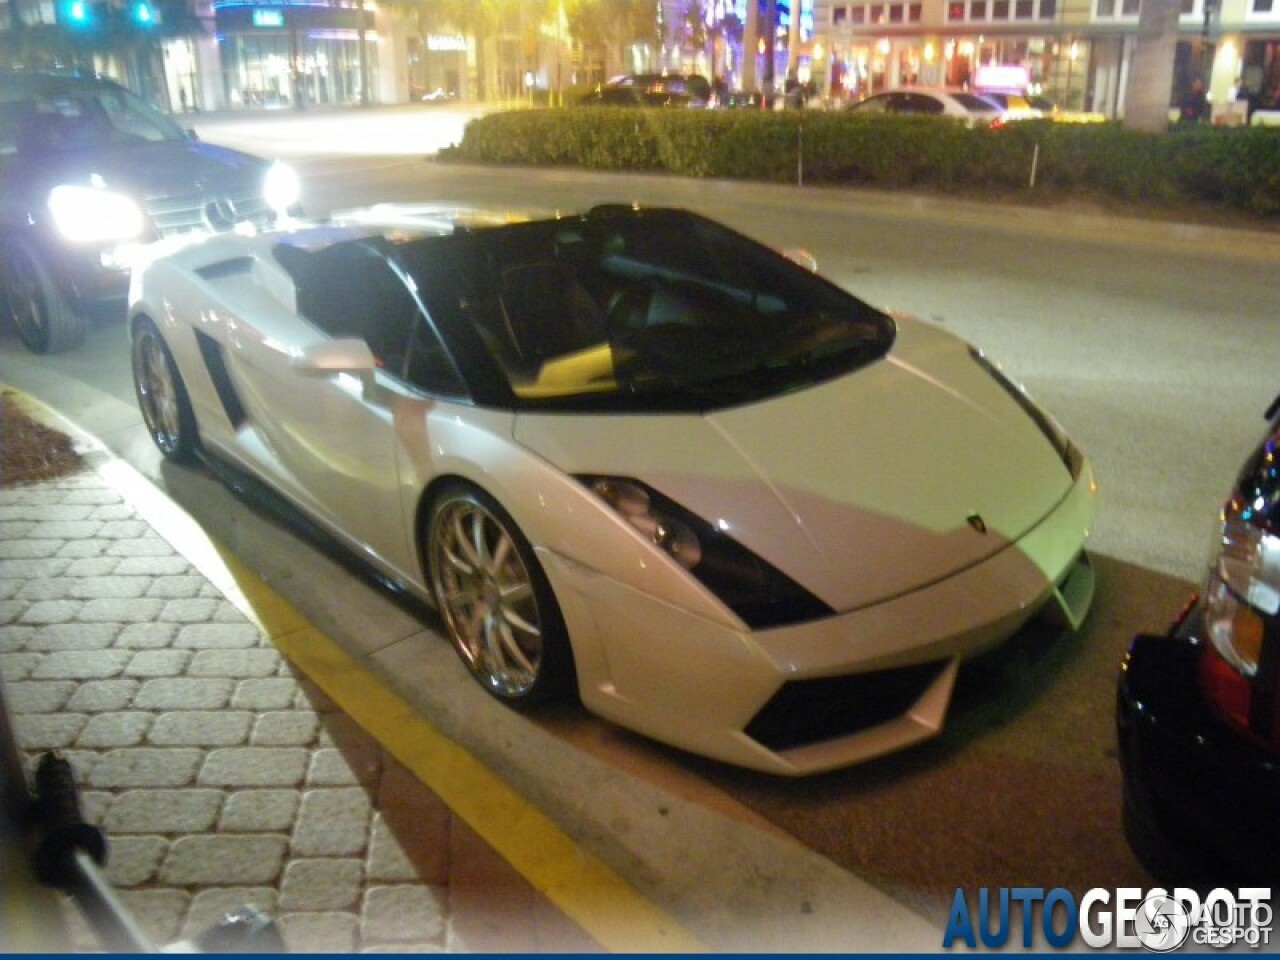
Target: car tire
(40, 313)
(162, 396)
(495, 600)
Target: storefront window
(256, 70)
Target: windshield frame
(723, 320)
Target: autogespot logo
(1128, 918)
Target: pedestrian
(1195, 103)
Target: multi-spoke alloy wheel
(495, 599)
(166, 410)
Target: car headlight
(1243, 590)
(759, 594)
(94, 215)
(281, 188)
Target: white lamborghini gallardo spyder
(634, 455)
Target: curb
(572, 878)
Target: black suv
(1198, 707)
(89, 175)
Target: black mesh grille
(812, 711)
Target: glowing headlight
(1244, 586)
(281, 188)
(91, 215)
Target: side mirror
(346, 355)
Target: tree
(480, 19)
(725, 30)
(1151, 77)
(529, 17)
(694, 33)
(605, 28)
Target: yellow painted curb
(584, 888)
(581, 885)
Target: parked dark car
(89, 175)
(692, 85)
(634, 97)
(1198, 709)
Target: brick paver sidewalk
(220, 776)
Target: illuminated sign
(1002, 77)
(446, 41)
(268, 18)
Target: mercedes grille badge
(220, 214)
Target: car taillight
(1241, 606)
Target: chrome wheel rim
(157, 392)
(486, 597)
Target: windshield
(76, 116)
(975, 103)
(643, 309)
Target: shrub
(1238, 169)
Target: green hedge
(1233, 168)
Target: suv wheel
(35, 306)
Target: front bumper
(816, 696)
(1207, 798)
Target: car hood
(860, 489)
(151, 170)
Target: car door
(328, 412)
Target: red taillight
(1245, 704)
(1241, 615)
(1227, 691)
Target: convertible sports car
(633, 453)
